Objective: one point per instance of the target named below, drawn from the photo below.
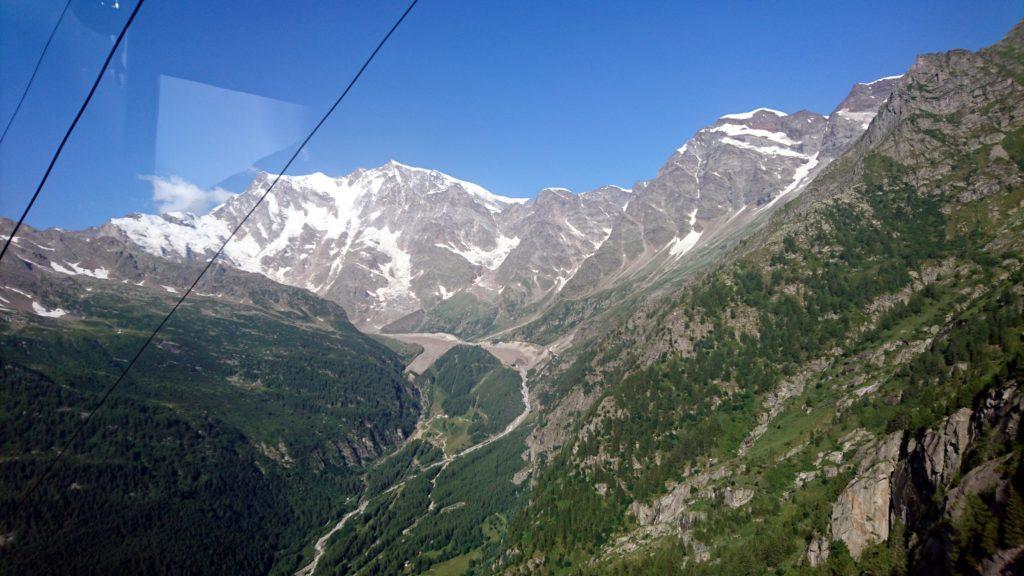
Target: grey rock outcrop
(860, 516)
(817, 550)
(673, 509)
(944, 447)
(895, 482)
(736, 497)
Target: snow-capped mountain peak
(383, 241)
(441, 182)
(726, 174)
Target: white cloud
(175, 194)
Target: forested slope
(239, 433)
(784, 412)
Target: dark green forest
(233, 440)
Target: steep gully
(517, 355)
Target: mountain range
(795, 350)
(397, 243)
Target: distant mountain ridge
(725, 175)
(382, 242)
(420, 249)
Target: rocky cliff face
(961, 458)
(559, 231)
(860, 517)
(854, 114)
(924, 482)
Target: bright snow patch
(741, 130)
(768, 150)
(883, 79)
(170, 289)
(161, 236)
(42, 311)
(27, 261)
(863, 117)
(799, 175)
(314, 181)
(573, 229)
(76, 270)
(489, 259)
(680, 246)
(398, 270)
(746, 115)
(25, 294)
(735, 214)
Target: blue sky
(514, 96)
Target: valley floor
(519, 356)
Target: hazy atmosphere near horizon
(511, 288)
